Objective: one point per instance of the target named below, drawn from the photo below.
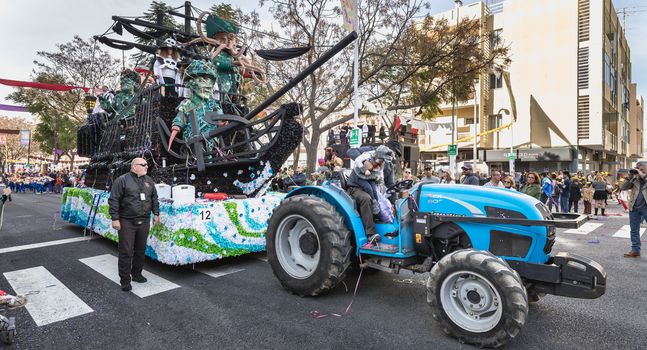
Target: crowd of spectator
(42, 182)
(370, 133)
(560, 191)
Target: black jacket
(125, 201)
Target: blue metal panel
(464, 200)
(344, 204)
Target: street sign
(24, 137)
(354, 139)
(452, 150)
(512, 156)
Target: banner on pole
(349, 8)
(3, 140)
(24, 137)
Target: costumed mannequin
(146, 77)
(200, 77)
(129, 84)
(166, 67)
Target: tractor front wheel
(308, 245)
(477, 298)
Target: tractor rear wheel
(477, 298)
(308, 245)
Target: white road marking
(49, 300)
(107, 266)
(47, 244)
(625, 232)
(586, 228)
(219, 271)
(23, 216)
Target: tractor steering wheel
(400, 185)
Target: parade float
(212, 157)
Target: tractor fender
(342, 202)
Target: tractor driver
(362, 186)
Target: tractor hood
(476, 201)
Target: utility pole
(452, 157)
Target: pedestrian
(565, 191)
(621, 196)
(508, 183)
(495, 180)
(532, 187)
(407, 175)
(587, 197)
(574, 197)
(546, 189)
(382, 134)
(599, 194)
(446, 177)
(331, 138)
(132, 200)
(637, 205)
(429, 176)
(59, 184)
(468, 176)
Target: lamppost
(500, 113)
(475, 156)
(452, 157)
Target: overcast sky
(28, 26)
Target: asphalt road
(248, 309)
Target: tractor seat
(343, 178)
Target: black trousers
(132, 246)
(573, 204)
(364, 203)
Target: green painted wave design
(232, 211)
(191, 238)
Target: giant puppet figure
(129, 82)
(227, 57)
(200, 77)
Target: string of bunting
(467, 138)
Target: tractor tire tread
(507, 282)
(338, 237)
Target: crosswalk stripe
(219, 271)
(107, 266)
(47, 244)
(49, 300)
(586, 228)
(625, 232)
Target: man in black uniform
(132, 199)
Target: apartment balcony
(459, 104)
(610, 141)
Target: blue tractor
(488, 252)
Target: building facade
(570, 80)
